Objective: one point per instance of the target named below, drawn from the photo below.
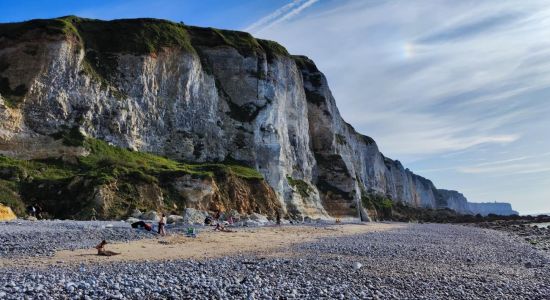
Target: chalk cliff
(495, 208)
(196, 95)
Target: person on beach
(162, 223)
(102, 251)
(221, 227)
(93, 215)
(278, 216)
(39, 211)
(31, 210)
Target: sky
(458, 91)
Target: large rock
(6, 214)
(150, 216)
(171, 219)
(136, 213)
(193, 216)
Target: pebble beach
(372, 261)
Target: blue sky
(456, 90)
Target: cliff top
(138, 36)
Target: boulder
(233, 214)
(194, 216)
(136, 213)
(258, 218)
(254, 220)
(6, 214)
(174, 219)
(150, 216)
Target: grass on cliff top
(141, 36)
(104, 40)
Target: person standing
(93, 215)
(162, 223)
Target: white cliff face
(496, 208)
(455, 201)
(273, 112)
(348, 163)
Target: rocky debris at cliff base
(419, 261)
(534, 234)
(194, 216)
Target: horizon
(475, 72)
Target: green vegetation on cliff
(301, 186)
(66, 188)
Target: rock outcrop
(6, 214)
(196, 95)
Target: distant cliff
(495, 208)
(194, 95)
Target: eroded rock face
(455, 201)
(197, 97)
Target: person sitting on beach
(162, 223)
(221, 227)
(102, 251)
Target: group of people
(161, 225)
(215, 220)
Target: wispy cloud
(273, 16)
(530, 164)
(280, 15)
